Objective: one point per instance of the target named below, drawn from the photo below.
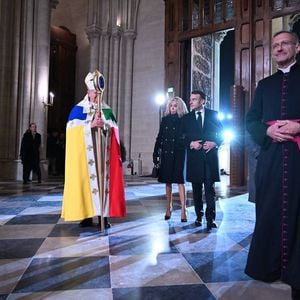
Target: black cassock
(275, 248)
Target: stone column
(129, 37)
(105, 60)
(100, 54)
(114, 76)
(41, 82)
(104, 21)
(93, 32)
(9, 102)
(24, 54)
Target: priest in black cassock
(273, 122)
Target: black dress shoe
(106, 223)
(198, 222)
(167, 217)
(86, 222)
(211, 224)
(184, 220)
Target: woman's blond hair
(181, 107)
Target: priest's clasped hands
(283, 130)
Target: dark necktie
(199, 119)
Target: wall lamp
(49, 102)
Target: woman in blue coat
(169, 151)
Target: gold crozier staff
(99, 85)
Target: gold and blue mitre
(95, 81)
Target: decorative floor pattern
(140, 257)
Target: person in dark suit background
(202, 131)
(169, 151)
(30, 153)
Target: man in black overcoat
(202, 131)
(273, 122)
(30, 153)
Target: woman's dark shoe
(86, 222)
(168, 213)
(183, 216)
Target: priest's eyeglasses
(282, 44)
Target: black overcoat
(170, 147)
(198, 160)
(275, 248)
(30, 148)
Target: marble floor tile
(11, 210)
(151, 225)
(53, 198)
(140, 227)
(103, 293)
(207, 242)
(239, 225)
(142, 244)
(132, 216)
(34, 219)
(11, 271)
(53, 274)
(74, 247)
(19, 248)
(16, 204)
(241, 238)
(136, 209)
(219, 266)
(5, 218)
(250, 290)
(155, 201)
(25, 231)
(42, 210)
(181, 292)
(73, 229)
(151, 270)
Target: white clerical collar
(287, 69)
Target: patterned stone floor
(140, 257)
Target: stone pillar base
(13, 169)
